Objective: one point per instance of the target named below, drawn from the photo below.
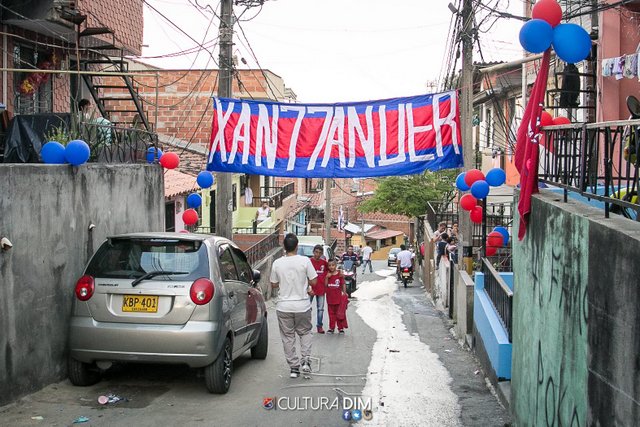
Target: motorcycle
(349, 271)
(406, 275)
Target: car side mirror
(256, 277)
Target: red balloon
(170, 160)
(468, 202)
(476, 215)
(495, 238)
(560, 120)
(547, 10)
(473, 175)
(490, 250)
(190, 216)
(546, 119)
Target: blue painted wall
(494, 336)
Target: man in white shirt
(294, 275)
(404, 259)
(263, 213)
(366, 258)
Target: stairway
(119, 102)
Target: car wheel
(261, 347)
(82, 374)
(217, 376)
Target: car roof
(170, 235)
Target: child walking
(334, 289)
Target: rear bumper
(196, 344)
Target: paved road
(441, 378)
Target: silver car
(392, 258)
(167, 298)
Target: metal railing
(273, 195)
(203, 230)
(500, 294)
(600, 161)
(253, 230)
(261, 249)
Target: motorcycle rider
(350, 255)
(404, 260)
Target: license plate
(140, 304)
(405, 274)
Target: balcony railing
(113, 144)
(274, 195)
(500, 294)
(599, 161)
(261, 249)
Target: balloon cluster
(475, 181)
(571, 42)
(166, 160)
(547, 119)
(194, 200)
(76, 153)
(498, 238)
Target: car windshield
(394, 251)
(306, 250)
(133, 258)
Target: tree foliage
(408, 195)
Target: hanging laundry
(618, 67)
(630, 66)
(607, 67)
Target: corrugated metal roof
(383, 234)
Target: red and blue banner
(399, 136)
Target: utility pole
(466, 118)
(327, 211)
(224, 203)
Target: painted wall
(576, 307)
(45, 210)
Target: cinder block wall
(45, 210)
(576, 341)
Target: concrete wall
(463, 308)
(576, 310)
(491, 337)
(45, 211)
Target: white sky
(330, 50)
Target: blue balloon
(205, 179)
(505, 234)
(77, 152)
(52, 153)
(536, 36)
(571, 43)
(496, 177)
(460, 184)
(151, 154)
(480, 189)
(194, 200)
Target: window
(227, 267)
(41, 100)
(244, 183)
(170, 216)
(245, 272)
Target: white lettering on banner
(449, 120)
(218, 140)
(401, 157)
(367, 142)
(293, 144)
(266, 135)
(336, 137)
(322, 140)
(242, 133)
(412, 131)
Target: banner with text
(399, 136)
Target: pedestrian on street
(335, 290)
(295, 276)
(321, 267)
(366, 258)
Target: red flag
(527, 153)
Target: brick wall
(184, 100)
(124, 17)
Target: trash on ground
(81, 420)
(38, 418)
(394, 351)
(477, 372)
(111, 398)
(447, 351)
